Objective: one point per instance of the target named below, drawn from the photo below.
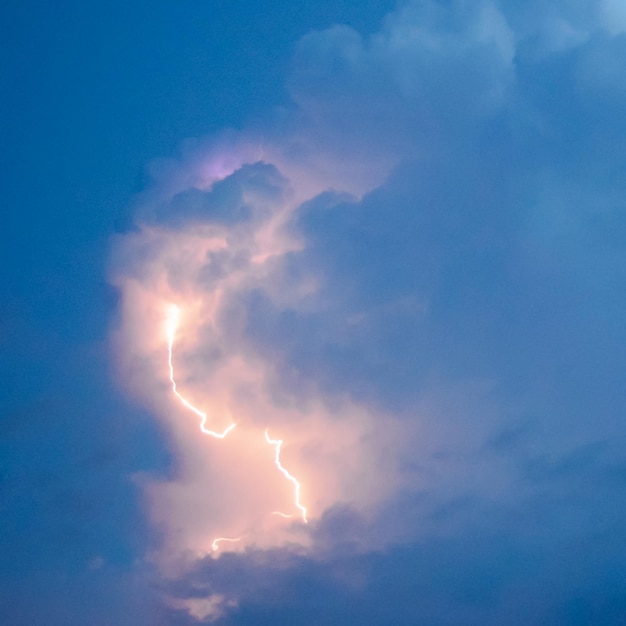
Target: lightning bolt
(171, 327)
(277, 443)
(216, 542)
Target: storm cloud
(415, 278)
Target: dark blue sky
(469, 260)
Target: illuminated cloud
(392, 286)
(292, 453)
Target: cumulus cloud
(417, 286)
(212, 253)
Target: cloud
(212, 254)
(417, 285)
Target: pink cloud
(334, 451)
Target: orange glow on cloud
(226, 493)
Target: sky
(313, 313)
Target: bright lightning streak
(277, 443)
(172, 325)
(171, 328)
(216, 542)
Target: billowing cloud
(212, 253)
(416, 285)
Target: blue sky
(396, 235)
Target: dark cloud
(481, 577)
(247, 194)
